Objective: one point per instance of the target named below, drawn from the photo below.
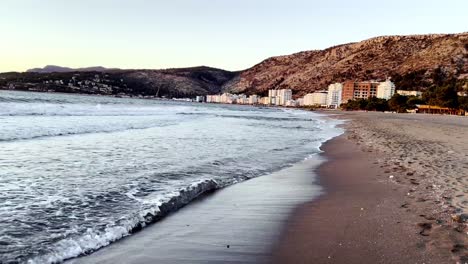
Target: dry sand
(397, 192)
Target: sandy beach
(393, 189)
(238, 224)
(396, 193)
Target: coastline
(379, 199)
(236, 224)
(375, 209)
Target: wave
(93, 240)
(48, 109)
(249, 117)
(41, 131)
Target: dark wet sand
(238, 224)
(380, 207)
(357, 221)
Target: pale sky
(228, 34)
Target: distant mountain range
(411, 61)
(400, 57)
(181, 82)
(54, 68)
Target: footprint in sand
(426, 227)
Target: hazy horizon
(228, 35)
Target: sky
(227, 34)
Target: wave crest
(93, 240)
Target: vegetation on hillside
(183, 82)
(441, 91)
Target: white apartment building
(226, 98)
(335, 94)
(253, 99)
(300, 101)
(265, 100)
(279, 97)
(284, 96)
(243, 100)
(272, 93)
(211, 98)
(316, 98)
(292, 103)
(385, 90)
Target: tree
(398, 103)
(438, 76)
(446, 96)
(371, 104)
(463, 102)
(413, 101)
(376, 104)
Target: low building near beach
(265, 100)
(300, 101)
(409, 93)
(318, 98)
(432, 109)
(291, 103)
(253, 99)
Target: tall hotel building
(279, 97)
(335, 95)
(284, 96)
(386, 90)
(355, 90)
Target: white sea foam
(92, 240)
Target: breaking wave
(93, 240)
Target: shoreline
(368, 214)
(236, 224)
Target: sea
(79, 172)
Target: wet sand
(396, 189)
(238, 224)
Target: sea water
(80, 172)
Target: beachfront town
(333, 97)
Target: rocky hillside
(180, 82)
(183, 82)
(376, 58)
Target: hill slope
(182, 82)
(54, 68)
(375, 58)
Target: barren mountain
(181, 82)
(54, 68)
(178, 82)
(372, 59)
